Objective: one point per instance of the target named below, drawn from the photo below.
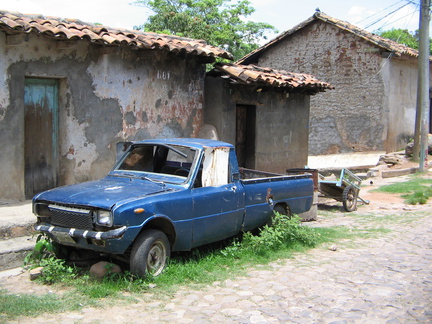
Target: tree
(219, 22)
(403, 36)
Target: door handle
(234, 188)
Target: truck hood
(103, 193)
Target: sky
(283, 14)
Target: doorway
(245, 135)
(40, 135)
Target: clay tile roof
(263, 77)
(73, 29)
(386, 44)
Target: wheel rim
(350, 198)
(156, 259)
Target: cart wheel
(349, 198)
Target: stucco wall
(358, 115)
(282, 134)
(282, 122)
(106, 95)
(400, 82)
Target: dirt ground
(380, 204)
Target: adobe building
(373, 105)
(264, 112)
(70, 91)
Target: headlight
(104, 218)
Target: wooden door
(40, 135)
(245, 135)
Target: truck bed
(264, 190)
(255, 176)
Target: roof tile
(387, 44)
(13, 23)
(267, 77)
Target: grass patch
(414, 191)
(15, 305)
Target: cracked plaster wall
(282, 122)
(106, 95)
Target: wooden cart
(346, 189)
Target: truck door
(218, 205)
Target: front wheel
(150, 253)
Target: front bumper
(79, 233)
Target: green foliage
(110, 285)
(403, 36)
(43, 255)
(405, 187)
(415, 191)
(12, 306)
(285, 232)
(219, 22)
(43, 249)
(419, 196)
(56, 270)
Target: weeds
(419, 196)
(405, 187)
(43, 249)
(56, 270)
(27, 305)
(284, 232)
(414, 191)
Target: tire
(150, 253)
(349, 198)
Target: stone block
(103, 268)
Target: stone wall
(372, 105)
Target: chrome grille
(71, 217)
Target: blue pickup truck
(167, 195)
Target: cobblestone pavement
(383, 279)
(386, 278)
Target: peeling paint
(108, 96)
(80, 150)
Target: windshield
(165, 163)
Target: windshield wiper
(154, 181)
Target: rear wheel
(280, 209)
(150, 253)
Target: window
(215, 166)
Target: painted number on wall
(164, 75)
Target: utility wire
(377, 13)
(390, 13)
(390, 22)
